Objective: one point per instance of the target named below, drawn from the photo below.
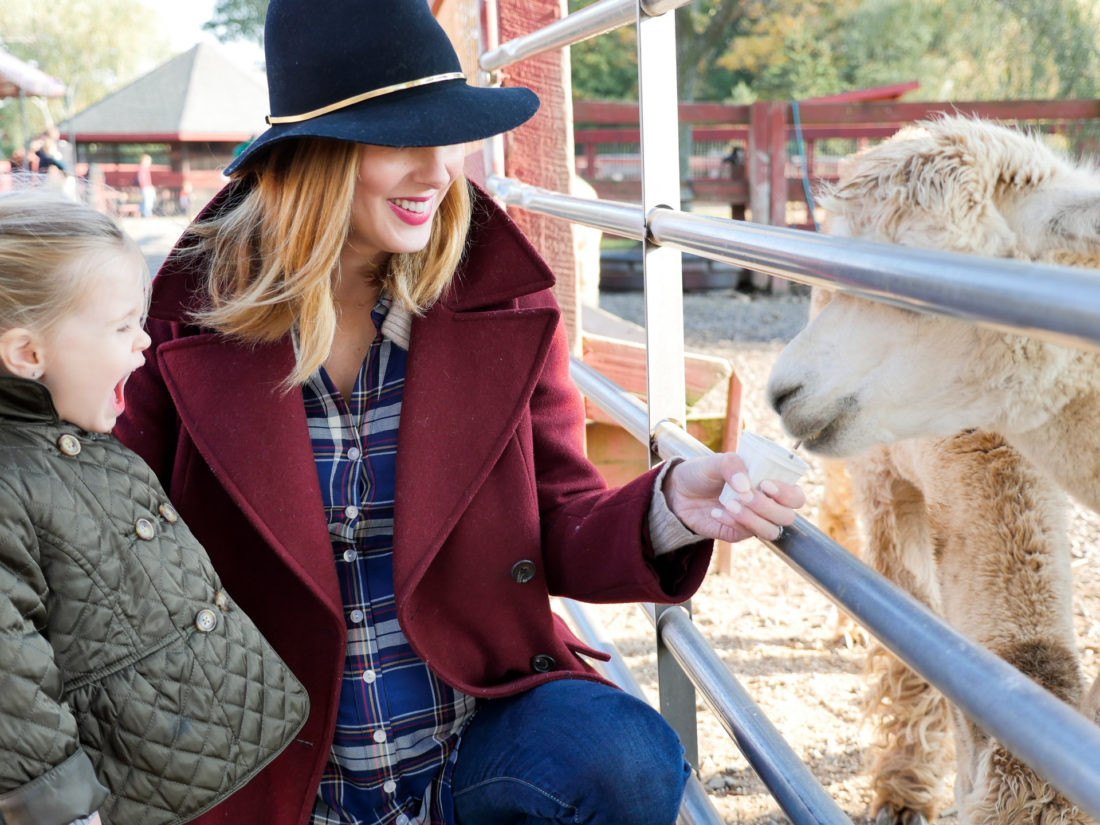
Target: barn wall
(540, 152)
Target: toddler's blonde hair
(47, 244)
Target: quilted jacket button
(168, 513)
(144, 529)
(68, 444)
(221, 600)
(523, 571)
(541, 663)
(206, 620)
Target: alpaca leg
(837, 520)
(1003, 562)
(911, 747)
(1006, 792)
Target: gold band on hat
(351, 101)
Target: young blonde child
(130, 682)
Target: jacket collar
(24, 400)
(499, 265)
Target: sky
(183, 21)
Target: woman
(358, 397)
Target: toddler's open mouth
(120, 403)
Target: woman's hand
(692, 488)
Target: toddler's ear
(20, 354)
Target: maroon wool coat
(491, 471)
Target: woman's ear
(20, 353)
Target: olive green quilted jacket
(129, 680)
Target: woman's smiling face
(397, 192)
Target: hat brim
(437, 114)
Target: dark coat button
(541, 663)
(523, 571)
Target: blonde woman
(358, 394)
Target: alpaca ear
(20, 353)
(1058, 225)
(1076, 219)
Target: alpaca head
(863, 372)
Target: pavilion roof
(199, 95)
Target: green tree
(92, 47)
(238, 20)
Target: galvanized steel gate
(1059, 303)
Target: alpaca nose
(779, 396)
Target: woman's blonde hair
(45, 240)
(273, 254)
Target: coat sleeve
(596, 541)
(45, 777)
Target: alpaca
(959, 441)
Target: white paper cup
(765, 459)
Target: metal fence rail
(598, 18)
(1058, 303)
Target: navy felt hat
(374, 71)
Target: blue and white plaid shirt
(398, 725)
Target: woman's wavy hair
(273, 253)
(48, 246)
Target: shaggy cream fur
(959, 441)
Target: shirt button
(389, 786)
(349, 555)
(369, 676)
(401, 820)
(221, 600)
(353, 453)
(379, 736)
(168, 513)
(144, 529)
(351, 511)
(356, 616)
(542, 663)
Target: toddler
(132, 687)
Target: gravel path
(773, 629)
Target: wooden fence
(765, 134)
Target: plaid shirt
(398, 724)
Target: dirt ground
(778, 635)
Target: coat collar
(24, 400)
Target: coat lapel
(253, 435)
(474, 361)
(469, 378)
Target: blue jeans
(569, 751)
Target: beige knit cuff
(666, 531)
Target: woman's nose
(439, 165)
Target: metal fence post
(664, 300)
